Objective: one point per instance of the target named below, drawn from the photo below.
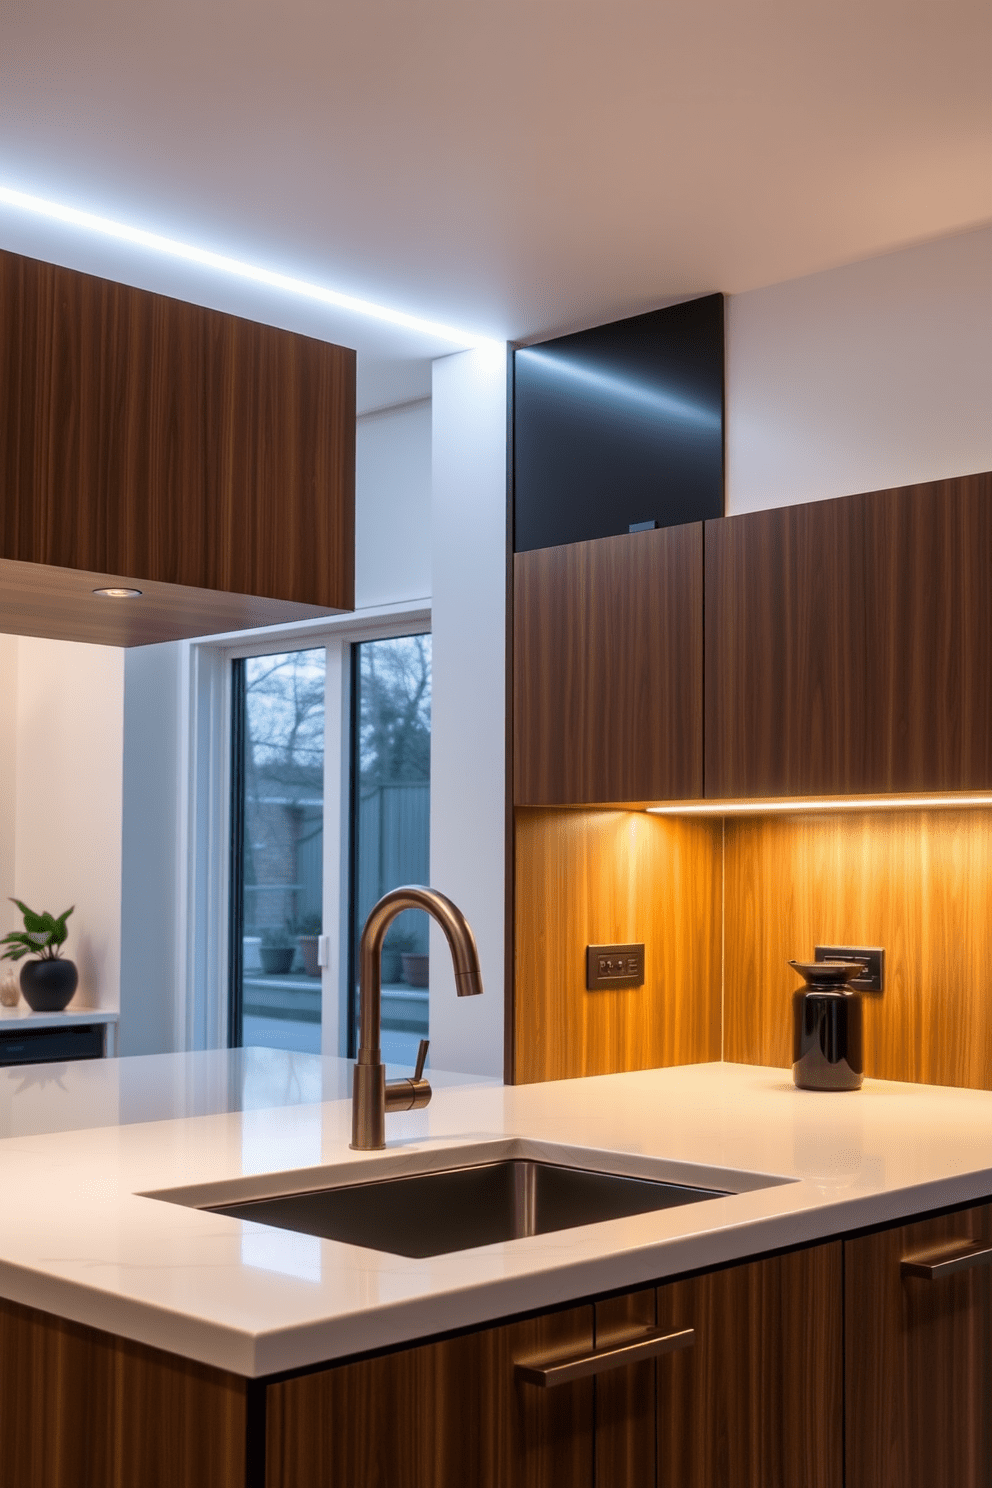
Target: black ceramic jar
(827, 1027)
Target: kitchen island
(85, 1237)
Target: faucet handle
(421, 1058)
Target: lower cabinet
(450, 1414)
(759, 1399)
(918, 1354)
(733, 1378)
(864, 1362)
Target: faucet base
(368, 1108)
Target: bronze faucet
(372, 1097)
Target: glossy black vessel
(827, 1046)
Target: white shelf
(22, 1014)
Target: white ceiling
(515, 169)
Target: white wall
(393, 505)
(874, 375)
(68, 736)
(468, 758)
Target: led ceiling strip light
(238, 269)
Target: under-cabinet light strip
(238, 268)
(796, 804)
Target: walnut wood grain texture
(81, 1409)
(928, 606)
(918, 1362)
(443, 1415)
(607, 702)
(38, 599)
(612, 878)
(918, 883)
(759, 1398)
(786, 711)
(626, 1399)
(849, 644)
(151, 438)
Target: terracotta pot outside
(308, 950)
(416, 968)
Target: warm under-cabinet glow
(795, 804)
(118, 593)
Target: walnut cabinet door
(918, 1301)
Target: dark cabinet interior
(42, 1045)
(204, 458)
(608, 650)
(849, 645)
(918, 1354)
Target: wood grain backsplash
(612, 877)
(918, 883)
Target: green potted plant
(48, 982)
(276, 951)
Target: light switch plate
(614, 966)
(871, 957)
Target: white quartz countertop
(79, 1236)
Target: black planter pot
(276, 960)
(48, 986)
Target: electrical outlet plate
(614, 966)
(871, 957)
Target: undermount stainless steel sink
(429, 1214)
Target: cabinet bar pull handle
(599, 1361)
(932, 1265)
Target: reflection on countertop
(40, 1098)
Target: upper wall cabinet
(148, 442)
(608, 650)
(849, 645)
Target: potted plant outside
(395, 946)
(308, 940)
(276, 952)
(48, 982)
(416, 968)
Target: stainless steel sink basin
(428, 1214)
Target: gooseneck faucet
(372, 1097)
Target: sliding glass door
(373, 749)
(390, 825)
(277, 850)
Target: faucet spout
(371, 1096)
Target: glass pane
(283, 848)
(391, 822)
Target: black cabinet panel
(50, 1045)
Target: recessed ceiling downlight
(119, 593)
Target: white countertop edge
(332, 1339)
(23, 1017)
